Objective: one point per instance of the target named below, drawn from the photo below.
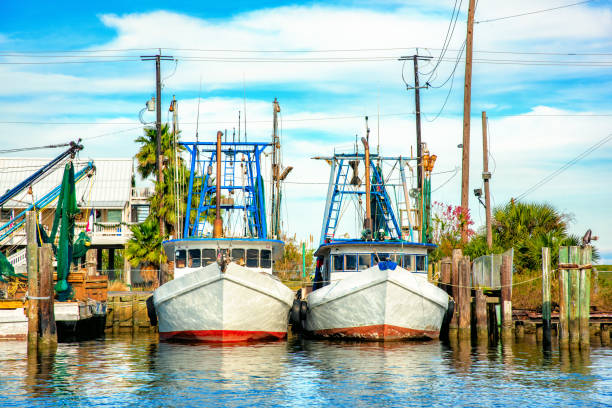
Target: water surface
(140, 371)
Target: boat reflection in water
(140, 371)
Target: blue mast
(247, 155)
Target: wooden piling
(520, 331)
(604, 333)
(563, 298)
(456, 257)
(585, 295)
(32, 266)
(464, 299)
(481, 315)
(574, 292)
(47, 339)
(546, 310)
(445, 274)
(506, 296)
(493, 322)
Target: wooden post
(574, 292)
(464, 299)
(48, 333)
(481, 315)
(445, 274)
(99, 265)
(467, 103)
(506, 296)
(563, 298)
(456, 257)
(486, 176)
(90, 262)
(32, 266)
(546, 310)
(605, 335)
(111, 264)
(585, 295)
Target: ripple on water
(122, 371)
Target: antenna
(244, 99)
(239, 126)
(198, 117)
(378, 123)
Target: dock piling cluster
(574, 295)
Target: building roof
(110, 187)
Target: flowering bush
(447, 222)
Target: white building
(108, 203)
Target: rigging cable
(531, 12)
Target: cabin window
(421, 262)
(365, 261)
(209, 256)
(252, 260)
(408, 262)
(194, 258)
(338, 263)
(265, 258)
(397, 258)
(238, 256)
(350, 262)
(376, 258)
(180, 258)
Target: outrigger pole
(367, 223)
(218, 226)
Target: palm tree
(165, 201)
(148, 149)
(526, 227)
(144, 249)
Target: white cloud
(525, 148)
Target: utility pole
(417, 105)
(158, 155)
(419, 143)
(467, 100)
(486, 176)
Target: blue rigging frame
(200, 196)
(339, 185)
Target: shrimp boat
(223, 288)
(374, 287)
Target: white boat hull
(232, 306)
(377, 305)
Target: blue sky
(545, 107)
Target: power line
(447, 38)
(41, 54)
(531, 12)
(565, 166)
(532, 62)
(23, 149)
(66, 62)
(450, 89)
(313, 119)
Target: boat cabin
(339, 260)
(192, 254)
